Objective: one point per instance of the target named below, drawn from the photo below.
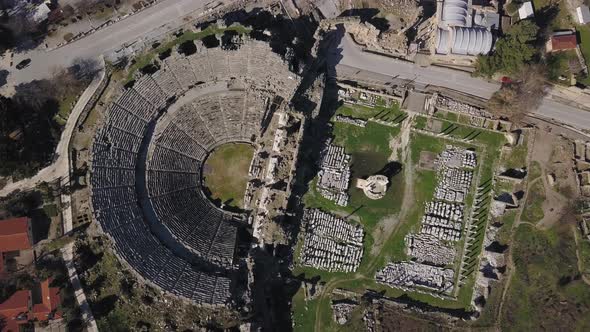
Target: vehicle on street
(23, 64)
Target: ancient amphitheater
(146, 164)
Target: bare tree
(20, 30)
(522, 96)
(84, 69)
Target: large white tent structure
(457, 34)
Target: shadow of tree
(104, 306)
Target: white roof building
(42, 11)
(454, 12)
(526, 10)
(463, 30)
(464, 41)
(583, 14)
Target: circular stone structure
(147, 159)
(225, 173)
(374, 187)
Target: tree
(513, 101)
(84, 69)
(512, 51)
(19, 30)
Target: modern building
(526, 10)
(42, 11)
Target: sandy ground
(556, 161)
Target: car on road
(23, 64)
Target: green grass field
(546, 288)
(585, 47)
(535, 171)
(533, 208)
(369, 149)
(226, 172)
(517, 157)
(303, 312)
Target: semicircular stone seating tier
(145, 175)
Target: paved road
(162, 17)
(353, 57)
(68, 256)
(561, 113)
(60, 167)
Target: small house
(562, 41)
(526, 10)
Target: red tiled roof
(1, 265)
(14, 234)
(17, 306)
(11, 325)
(564, 42)
(19, 301)
(49, 301)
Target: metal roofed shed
(487, 20)
(472, 41)
(443, 45)
(455, 12)
(526, 10)
(464, 41)
(583, 14)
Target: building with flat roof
(526, 10)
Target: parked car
(23, 64)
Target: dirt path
(401, 142)
(517, 222)
(551, 152)
(553, 205)
(330, 285)
(388, 225)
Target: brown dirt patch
(427, 159)
(555, 156)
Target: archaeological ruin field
(416, 226)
